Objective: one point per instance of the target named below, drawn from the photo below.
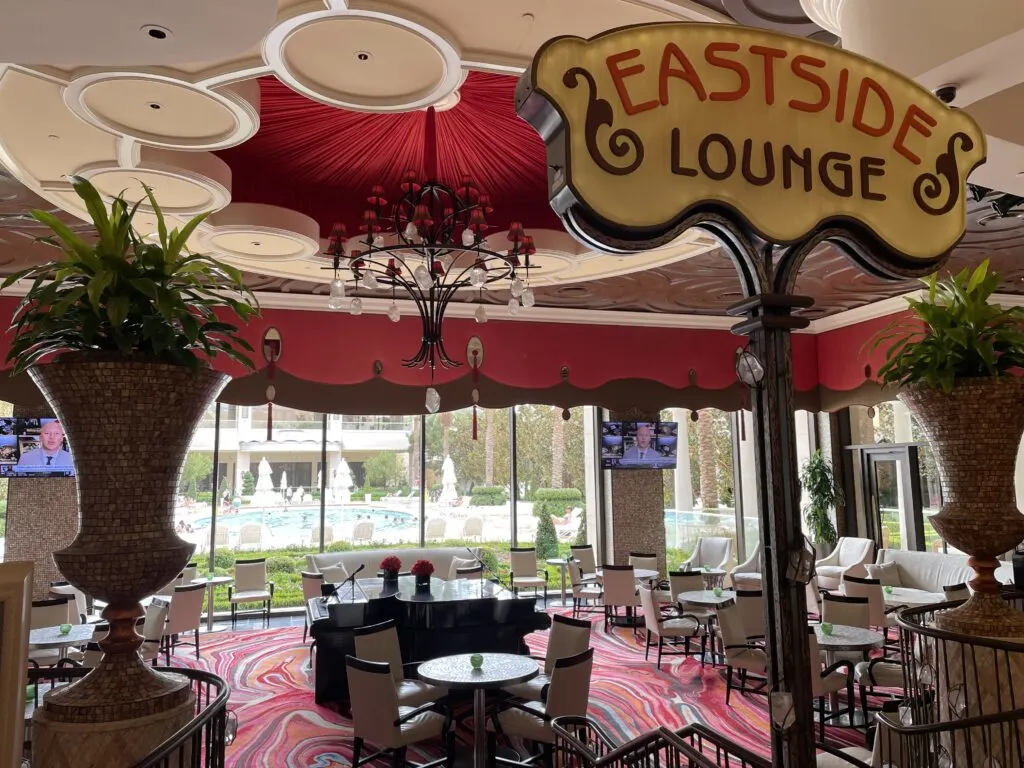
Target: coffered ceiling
(280, 123)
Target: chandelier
(429, 245)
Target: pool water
(304, 518)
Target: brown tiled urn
(975, 431)
(129, 425)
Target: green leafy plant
(126, 296)
(824, 494)
(955, 333)
(488, 496)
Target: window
(706, 455)
(468, 482)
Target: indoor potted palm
(116, 334)
(823, 495)
(955, 362)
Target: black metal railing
(580, 742)
(964, 703)
(199, 744)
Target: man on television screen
(641, 452)
(50, 454)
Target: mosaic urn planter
(975, 432)
(129, 425)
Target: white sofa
(441, 557)
(930, 571)
(850, 556)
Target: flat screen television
(639, 444)
(34, 447)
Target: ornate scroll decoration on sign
(781, 135)
(772, 144)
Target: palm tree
(557, 447)
(707, 458)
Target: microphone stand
(487, 568)
(355, 585)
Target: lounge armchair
(710, 552)
(747, 575)
(848, 558)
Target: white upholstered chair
(568, 695)
(470, 572)
(740, 654)
(184, 615)
(153, 629)
(251, 586)
(850, 556)
(673, 630)
(688, 581)
(619, 592)
(459, 563)
(379, 643)
(568, 637)
(831, 679)
(311, 588)
(62, 589)
(379, 718)
(189, 572)
(955, 592)
(583, 592)
(747, 575)
(584, 553)
(871, 589)
(710, 552)
(524, 573)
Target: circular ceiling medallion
(196, 183)
(257, 243)
(254, 233)
(364, 60)
(164, 112)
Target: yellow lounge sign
(647, 125)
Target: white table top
(214, 581)
(558, 561)
(50, 637)
(497, 671)
(845, 638)
(706, 597)
(639, 573)
(710, 571)
(905, 596)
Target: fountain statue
(265, 495)
(449, 491)
(341, 483)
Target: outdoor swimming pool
(305, 517)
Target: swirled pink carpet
(281, 727)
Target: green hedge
(488, 496)
(204, 497)
(548, 502)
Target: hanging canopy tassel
(476, 393)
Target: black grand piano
(457, 616)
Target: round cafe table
(640, 574)
(846, 638)
(706, 597)
(51, 637)
(904, 597)
(211, 584)
(562, 564)
(498, 670)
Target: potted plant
(390, 566)
(954, 362)
(116, 334)
(824, 495)
(422, 570)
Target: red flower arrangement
(422, 568)
(391, 564)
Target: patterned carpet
(280, 726)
